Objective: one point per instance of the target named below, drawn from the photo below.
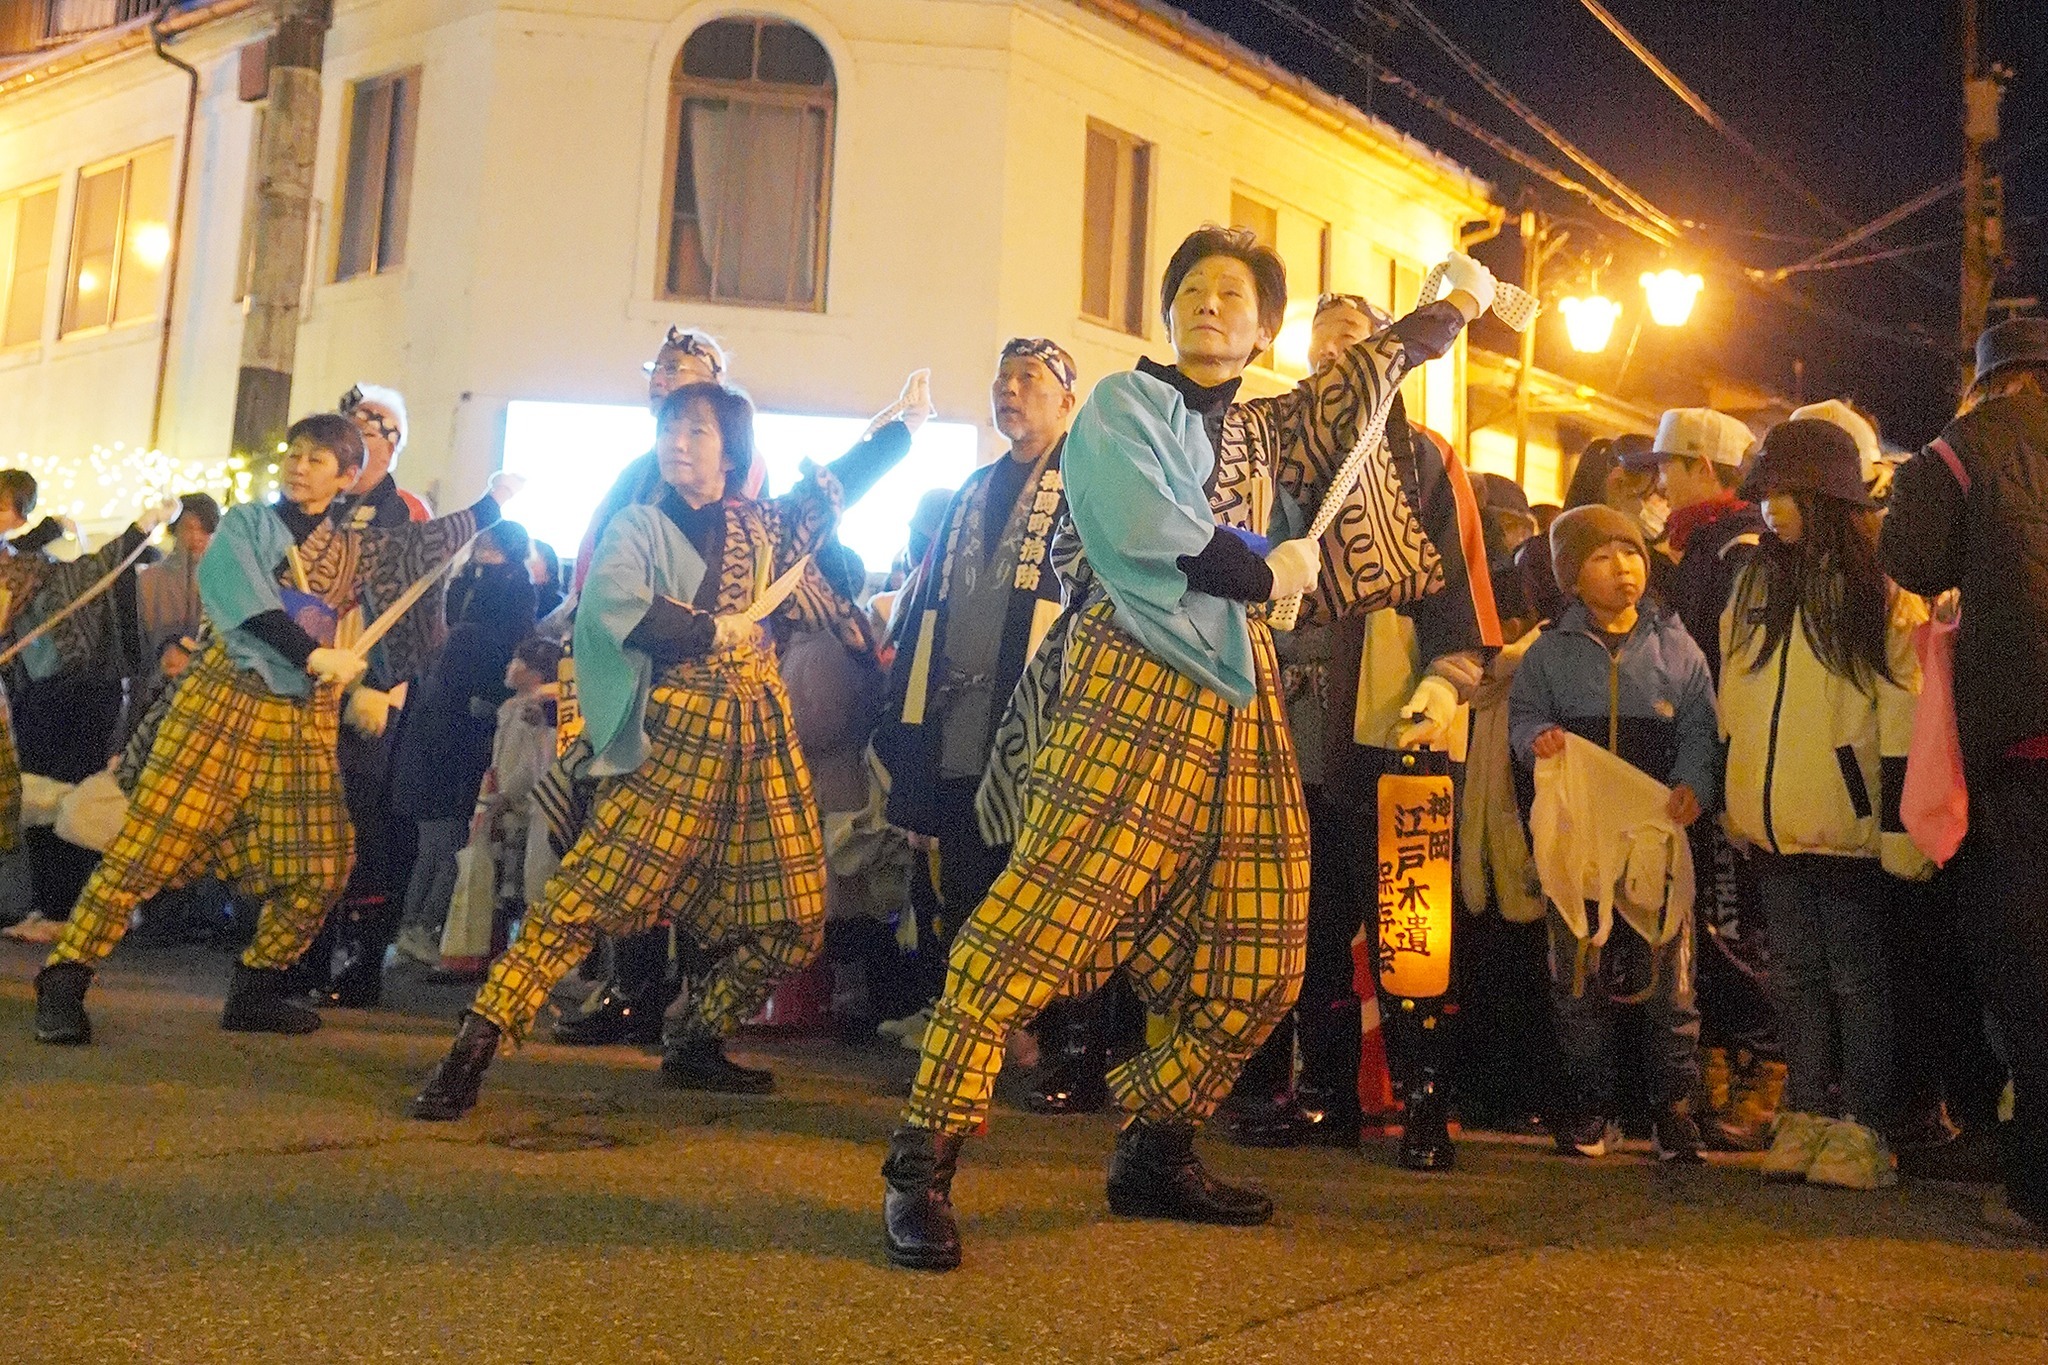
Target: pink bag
(1934, 803)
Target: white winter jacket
(1815, 763)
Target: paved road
(175, 1194)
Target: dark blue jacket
(1652, 704)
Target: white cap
(1704, 434)
(1840, 414)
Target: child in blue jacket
(1626, 676)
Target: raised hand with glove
(1468, 284)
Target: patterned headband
(1372, 310)
(1046, 352)
(692, 344)
(370, 413)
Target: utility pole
(284, 200)
(1532, 272)
(1983, 232)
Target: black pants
(2003, 903)
(968, 867)
(1943, 1054)
(64, 727)
(1735, 1007)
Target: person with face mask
(1163, 832)
(703, 811)
(242, 775)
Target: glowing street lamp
(1671, 294)
(1589, 321)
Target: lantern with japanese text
(1416, 818)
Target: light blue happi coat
(1137, 464)
(643, 554)
(238, 580)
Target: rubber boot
(1154, 1173)
(1416, 1026)
(694, 1060)
(257, 1003)
(917, 1201)
(1071, 1078)
(451, 1091)
(60, 1004)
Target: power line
(1699, 106)
(1508, 100)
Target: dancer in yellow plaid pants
(717, 829)
(1166, 836)
(10, 781)
(241, 782)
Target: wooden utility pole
(1982, 244)
(284, 200)
(1532, 271)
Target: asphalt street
(175, 1193)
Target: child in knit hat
(1623, 674)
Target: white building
(516, 198)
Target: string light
(111, 483)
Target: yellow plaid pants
(1164, 835)
(717, 830)
(241, 783)
(10, 781)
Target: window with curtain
(1117, 197)
(120, 241)
(376, 189)
(751, 110)
(28, 231)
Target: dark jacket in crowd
(444, 748)
(1713, 541)
(1971, 512)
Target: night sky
(1865, 112)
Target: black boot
(451, 1091)
(616, 1015)
(60, 1004)
(359, 985)
(1326, 1097)
(697, 1061)
(1155, 1173)
(1071, 1076)
(917, 1203)
(1426, 1131)
(257, 1003)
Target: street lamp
(1589, 321)
(1671, 294)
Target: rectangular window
(1115, 228)
(28, 233)
(120, 241)
(376, 188)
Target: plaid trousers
(717, 830)
(1164, 835)
(10, 780)
(241, 783)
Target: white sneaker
(35, 929)
(1853, 1157)
(1795, 1143)
(420, 944)
(896, 1028)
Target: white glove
(916, 401)
(367, 711)
(730, 631)
(1430, 713)
(335, 666)
(1295, 565)
(157, 514)
(505, 487)
(1462, 272)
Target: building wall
(532, 249)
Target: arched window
(750, 166)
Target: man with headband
(971, 617)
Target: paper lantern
(1416, 817)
